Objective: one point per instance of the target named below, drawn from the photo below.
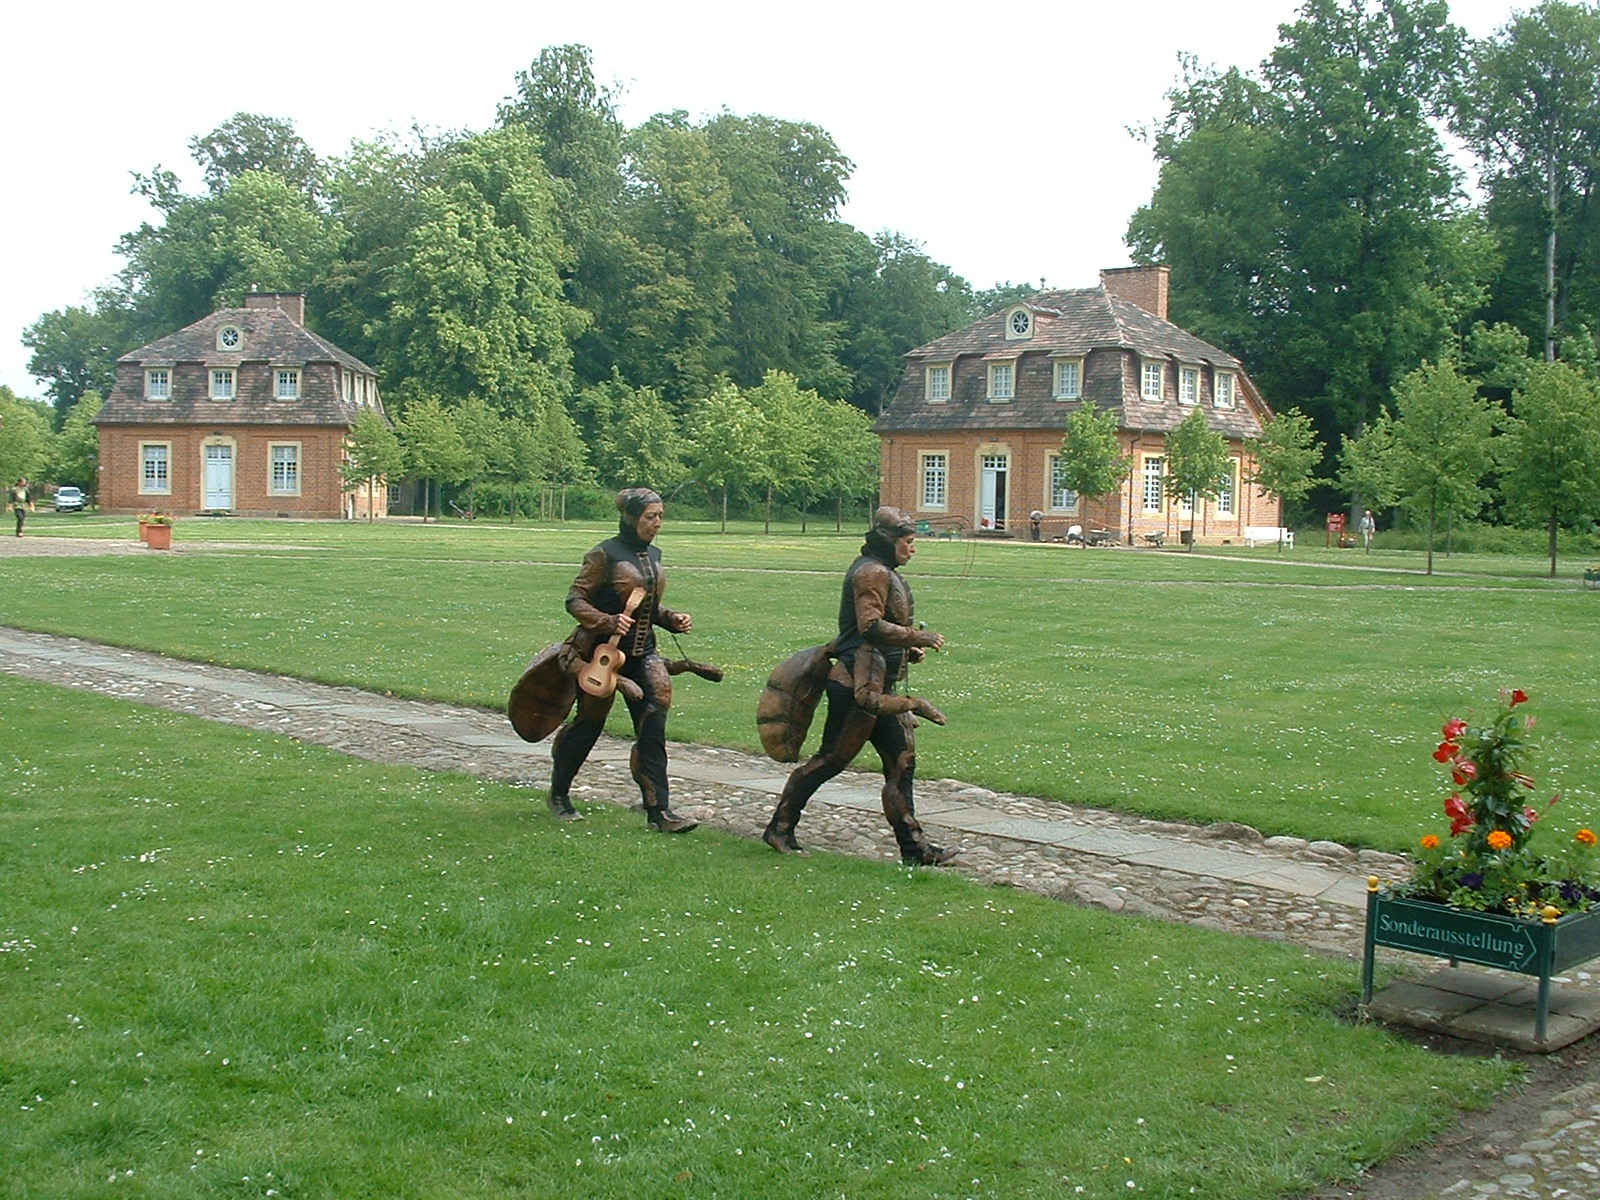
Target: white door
(218, 477)
(992, 491)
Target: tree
(75, 451)
(1367, 463)
(633, 436)
(433, 447)
(1441, 449)
(1549, 455)
(730, 437)
(373, 456)
(1197, 462)
(252, 142)
(1530, 108)
(1311, 218)
(1285, 455)
(1093, 463)
(792, 445)
(24, 436)
(75, 351)
(848, 456)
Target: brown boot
(664, 820)
(780, 836)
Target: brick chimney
(1144, 286)
(292, 304)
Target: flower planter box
(1540, 948)
(144, 531)
(158, 537)
(1591, 578)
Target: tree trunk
(1433, 505)
(724, 508)
(1553, 526)
(767, 527)
(1552, 207)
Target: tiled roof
(270, 340)
(1066, 324)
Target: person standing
(21, 502)
(878, 636)
(1367, 527)
(597, 599)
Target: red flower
(1454, 728)
(1463, 773)
(1461, 817)
(1446, 751)
(1518, 697)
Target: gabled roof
(1075, 322)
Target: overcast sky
(998, 137)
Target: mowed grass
(235, 965)
(1298, 692)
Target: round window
(1021, 322)
(228, 338)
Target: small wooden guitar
(598, 676)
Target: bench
(1268, 534)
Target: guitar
(598, 676)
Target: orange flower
(1586, 836)
(1499, 840)
(1430, 841)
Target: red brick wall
(321, 451)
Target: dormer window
(1002, 380)
(1151, 377)
(288, 385)
(1222, 390)
(229, 337)
(158, 384)
(1188, 385)
(938, 382)
(221, 384)
(1069, 378)
(1019, 325)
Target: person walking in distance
(21, 503)
(878, 636)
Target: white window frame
(286, 383)
(938, 374)
(157, 383)
(1009, 369)
(1055, 492)
(155, 468)
(1019, 325)
(284, 482)
(1152, 470)
(1229, 489)
(1224, 389)
(1188, 385)
(933, 473)
(1068, 379)
(224, 383)
(1152, 378)
(349, 381)
(224, 343)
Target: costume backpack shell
(543, 697)
(789, 701)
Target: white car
(69, 499)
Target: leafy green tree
(75, 451)
(1530, 107)
(847, 457)
(1197, 462)
(373, 455)
(24, 436)
(1367, 463)
(434, 450)
(1549, 454)
(1311, 216)
(475, 304)
(1093, 462)
(1286, 454)
(75, 351)
(730, 436)
(1441, 449)
(633, 435)
(485, 434)
(252, 142)
(793, 441)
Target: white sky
(996, 137)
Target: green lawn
(235, 965)
(1299, 692)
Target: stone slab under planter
(1487, 1006)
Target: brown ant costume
(611, 571)
(877, 637)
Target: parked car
(69, 499)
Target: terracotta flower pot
(158, 537)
